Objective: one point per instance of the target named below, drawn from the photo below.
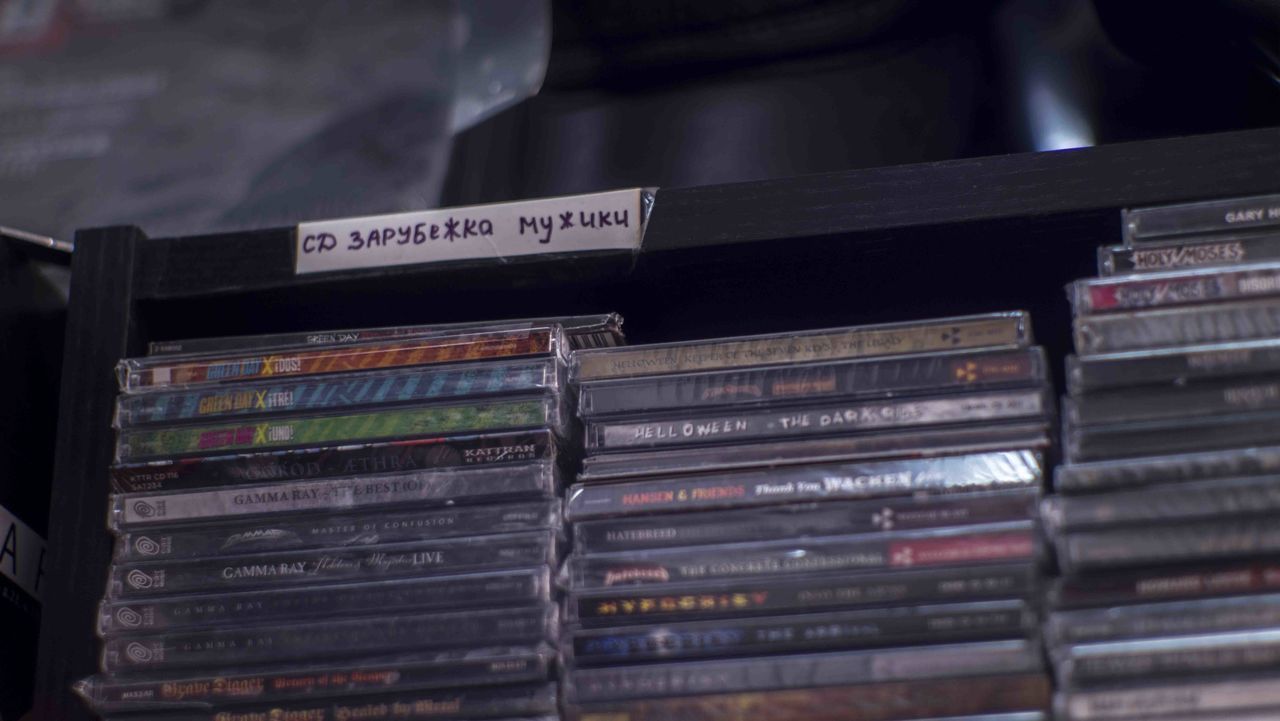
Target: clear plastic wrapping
(414, 455)
(309, 681)
(292, 532)
(993, 543)
(1174, 468)
(832, 418)
(923, 442)
(801, 520)
(492, 589)
(689, 678)
(1172, 366)
(375, 424)
(168, 373)
(943, 334)
(880, 377)
(282, 569)
(352, 493)
(799, 594)
(1174, 288)
(888, 701)
(1169, 327)
(337, 639)
(341, 392)
(1011, 469)
(803, 633)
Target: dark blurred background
(673, 93)
(189, 116)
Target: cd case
(136, 375)
(866, 628)
(992, 543)
(1175, 468)
(292, 568)
(1177, 502)
(1177, 402)
(1170, 327)
(583, 331)
(1174, 288)
(982, 331)
(814, 420)
(342, 392)
(1230, 215)
(801, 520)
(799, 594)
(956, 699)
(528, 702)
(1172, 367)
(379, 424)
(392, 456)
(490, 589)
(1147, 620)
(663, 680)
(1158, 544)
(539, 480)
(1003, 470)
(376, 674)
(290, 532)
(1208, 252)
(920, 443)
(1151, 585)
(1176, 436)
(337, 639)
(880, 377)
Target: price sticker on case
(570, 224)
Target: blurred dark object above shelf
(677, 94)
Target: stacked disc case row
(357, 524)
(829, 525)
(1165, 513)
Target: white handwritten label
(21, 553)
(571, 224)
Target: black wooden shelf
(871, 245)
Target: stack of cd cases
(357, 524)
(824, 525)
(1165, 518)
